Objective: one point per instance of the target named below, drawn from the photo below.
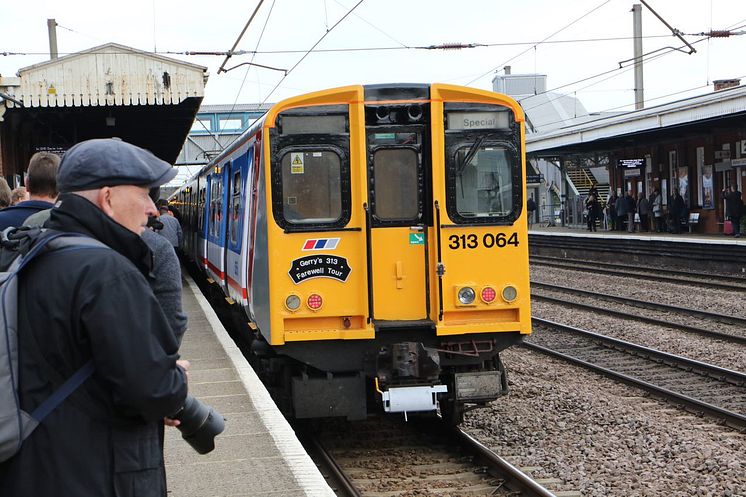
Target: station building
(696, 146)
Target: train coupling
(411, 398)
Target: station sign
(534, 178)
(630, 163)
(478, 120)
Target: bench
(693, 220)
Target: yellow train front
(388, 263)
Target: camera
(154, 223)
(199, 425)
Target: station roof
(107, 91)
(595, 134)
(109, 74)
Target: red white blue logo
(321, 244)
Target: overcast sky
(512, 28)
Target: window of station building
(484, 181)
(396, 185)
(201, 125)
(311, 187)
(231, 124)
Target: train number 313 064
(488, 240)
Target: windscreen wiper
(470, 155)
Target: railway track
(656, 274)
(388, 458)
(733, 328)
(709, 389)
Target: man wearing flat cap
(78, 305)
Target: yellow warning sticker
(296, 163)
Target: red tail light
(314, 302)
(488, 294)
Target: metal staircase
(583, 180)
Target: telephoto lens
(199, 425)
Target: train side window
(311, 187)
(396, 185)
(235, 206)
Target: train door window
(484, 181)
(235, 206)
(201, 209)
(396, 186)
(311, 187)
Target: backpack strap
(54, 241)
(63, 392)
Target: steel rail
(644, 319)
(340, 482)
(661, 276)
(734, 419)
(516, 479)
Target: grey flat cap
(107, 162)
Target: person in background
(643, 209)
(621, 212)
(41, 184)
(676, 211)
(96, 305)
(166, 275)
(18, 195)
(531, 208)
(656, 201)
(611, 211)
(591, 205)
(734, 209)
(5, 193)
(171, 226)
(629, 199)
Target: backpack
(18, 248)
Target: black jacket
(734, 204)
(94, 303)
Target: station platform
(684, 237)
(258, 454)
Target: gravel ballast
(604, 438)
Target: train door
(217, 222)
(235, 277)
(397, 172)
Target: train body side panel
(259, 279)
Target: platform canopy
(107, 91)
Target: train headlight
(510, 293)
(292, 302)
(314, 302)
(488, 295)
(466, 295)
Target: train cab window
(311, 187)
(484, 183)
(483, 148)
(396, 184)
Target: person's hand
(171, 422)
(184, 364)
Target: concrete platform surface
(258, 454)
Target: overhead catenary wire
(246, 74)
(311, 49)
(238, 40)
(539, 43)
(619, 71)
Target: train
(373, 239)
